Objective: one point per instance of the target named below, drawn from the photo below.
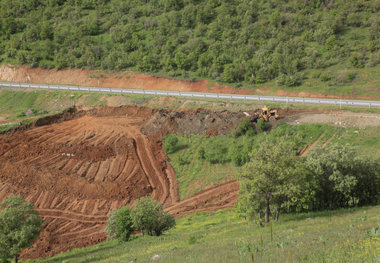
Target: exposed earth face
(78, 166)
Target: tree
(119, 224)
(149, 216)
(344, 179)
(274, 177)
(20, 226)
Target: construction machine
(265, 114)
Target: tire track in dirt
(220, 196)
(76, 171)
(305, 150)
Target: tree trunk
(267, 211)
(277, 213)
(260, 221)
(15, 257)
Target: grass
(344, 235)
(195, 174)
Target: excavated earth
(78, 165)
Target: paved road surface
(225, 96)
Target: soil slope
(77, 166)
(121, 80)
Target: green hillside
(316, 43)
(346, 235)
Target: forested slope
(235, 41)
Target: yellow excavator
(265, 114)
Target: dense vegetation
(146, 216)
(276, 180)
(20, 226)
(230, 41)
(345, 235)
(200, 161)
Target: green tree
(119, 224)
(20, 226)
(344, 179)
(274, 177)
(149, 216)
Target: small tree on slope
(274, 177)
(20, 226)
(119, 224)
(149, 216)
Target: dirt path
(211, 199)
(337, 118)
(305, 150)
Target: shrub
(171, 143)
(149, 216)
(356, 61)
(325, 77)
(217, 152)
(243, 128)
(201, 153)
(290, 80)
(119, 224)
(262, 125)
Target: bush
(243, 128)
(290, 80)
(357, 61)
(262, 125)
(149, 216)
(171, 143)
(217, 152)
(119, 224)
(201, 153)
(325, 77)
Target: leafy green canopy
(119, 224)
(328, 178)
(274, 177)
(148, 215)
(231, 41)
(20, 226)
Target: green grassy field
(345, 235)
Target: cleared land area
(78, 165)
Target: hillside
(326, 46)
(345, 235)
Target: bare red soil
(132, 80)
(77, 166)
(121, 80)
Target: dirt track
(77, 166)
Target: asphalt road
(362, 103)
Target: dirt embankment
(121, 80)
(78, 165)
(131, 80)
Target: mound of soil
(193, 122)
(78, 165)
